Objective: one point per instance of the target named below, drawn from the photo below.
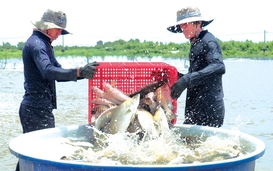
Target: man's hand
(178, 87)
(179, 75)
(88, 71)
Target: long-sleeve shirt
(204, 78)
(41, 70)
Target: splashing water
(168, 149)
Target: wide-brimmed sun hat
(186, 15)
(52, 19)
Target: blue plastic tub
(34, 157)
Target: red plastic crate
(130, 77)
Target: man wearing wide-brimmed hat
(41, 70)
(204, 100)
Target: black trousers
(33, 119)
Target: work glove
(178, 87)
(179, 75)
(88, 71)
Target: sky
(108, 20)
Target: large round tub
(34, 151)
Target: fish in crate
(147, 111)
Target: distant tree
(6, 45)
(20, 45)
(135, 48)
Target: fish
(99, 138)
(97, 110)
(164, 99)
(150, 101)
(111, 94)
(115, 92)
(104, 118)
(149, 117)
(148, 88)
(134, 126)
(143, 126)
(100, 93)
(102, 101)
(122, 116)
(146, 121)
(161, 121)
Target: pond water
(248, 98)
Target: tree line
(136, 48)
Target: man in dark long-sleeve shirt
(204, 100)
(41, 70)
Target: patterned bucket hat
(186, 15)
(52, 19)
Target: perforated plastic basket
(130, 77)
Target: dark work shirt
(205, 92)
(41, 69)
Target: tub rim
(251, 157)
